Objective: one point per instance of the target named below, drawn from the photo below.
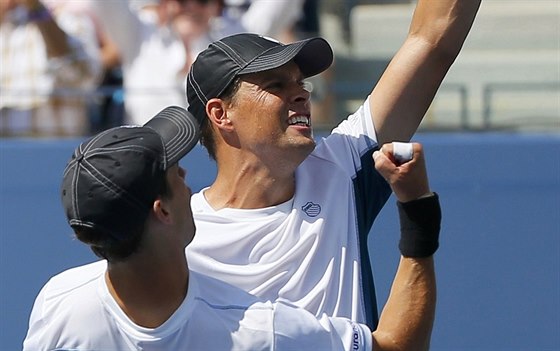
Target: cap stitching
(198, 91)
(112, 187)
(74, 191)
(239, 61)
(271, 60)
(254, 58)
(102, 179)
(180, 141)
(81, 150)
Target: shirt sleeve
(33, 340)
(297, 329)
(358, 124)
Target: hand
(409, 180)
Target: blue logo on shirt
(355, 338)
(311, 209)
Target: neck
(149, 290)
(247, 186)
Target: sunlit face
(271, 114)
(180, 202)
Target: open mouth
(299, 120)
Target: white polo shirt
(312, 249)
(75, 311)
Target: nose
(301, 94)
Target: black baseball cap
(216, 67)
(112, 179)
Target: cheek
(259, 115)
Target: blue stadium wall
(498, 266)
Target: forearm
(56, 40)
(407, 87)
(408, 316)
(71, 46)
(443, 24)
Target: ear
(161, 211)
(217, 111)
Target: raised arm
(56, 40)
(122, 25)
(407, 318)
(407, 87)
(70, 43)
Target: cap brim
(312, 56)
(178, 129)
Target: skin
(407, 318)
(151, 284)
(406, 321)
(407, 87)
(254, 129)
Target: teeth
(299, 119)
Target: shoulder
(66, 306)
(76, 277)
(359, 123)
(71, 288)
(353, 136)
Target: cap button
(80, 158)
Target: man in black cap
(124, 195)
(293, 216)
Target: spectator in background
(106, 108)
(105, 105)
(50, 63)
(201, 22)
(271, 18)
(158, 41)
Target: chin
(308, 147)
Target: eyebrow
(281, 74)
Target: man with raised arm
(286, 217)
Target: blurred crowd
(72, 68)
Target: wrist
(420, 221)
(408, 196)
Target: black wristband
(420, 224)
